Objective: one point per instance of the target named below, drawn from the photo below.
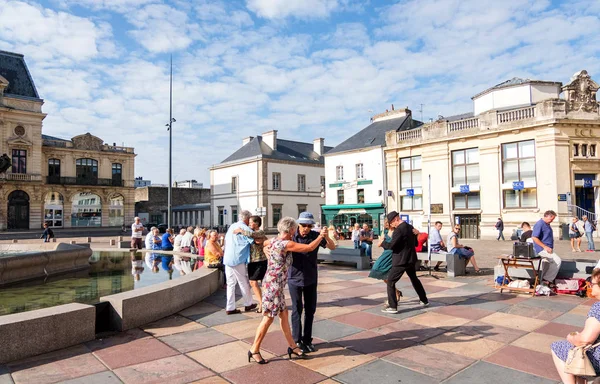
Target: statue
(5, 163)
(580, 93)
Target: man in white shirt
(178, 240)
(435, 241)
(187, 239)
(137, 233)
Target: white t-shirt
(149, 240)
(134, 234)
(177, 243)
(187, 239)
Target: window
(359, 171)
(592, 150)
(221, 216)
(575, 150)
(19, 161)
(584, 150)
(518, 164)
(301, 208)
(276, 181)
(117, 174)
(234, 214)
(339, 173)
(301, 183)
(410, 178)
(465, 167)
(276, 214)
(340, 194)
(466, 201)
(323, 182)
(54, 168)
(234, 185)
(86, 171)
(360, 196)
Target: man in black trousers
(404, 259)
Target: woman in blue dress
(589, 335)
(383, 264)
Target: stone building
(525, 150)
(190, 206)
(270, 177)
(81, 182)
(355, 173)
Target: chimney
(270, 138)
(247, 140)
(319, 146)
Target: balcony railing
(516, 114)
(460, 125)
(20, 177)
(410, 134)
(84, 181)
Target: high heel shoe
(261, 361)
(291, 351)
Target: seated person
(589, 335)
(527, 232)
(436, 243)
(463, 252)
(366, 240)
(421, 242)
(167, 240)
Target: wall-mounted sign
(562, 197)
(464, 188)
(587, 183)
(410, 192)
(404, 218)
(437, 208)
(518, 185)
(224, 211)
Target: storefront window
(53, 209)
(86, 210)
(116, 211)
(466, 201)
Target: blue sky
(308, 68)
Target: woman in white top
(178, 239)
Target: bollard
(72, 242)
(15, 241)
(120, 238)
(89, 240)
(54, 239)
(113, 242)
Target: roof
(462, 116)
(51, 141)
(286, 150)
(374, 134)
(516, 81)
(14, 70)
(46, 137)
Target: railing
(410, 134)
(20, 177)
(515, 115)
(460, 125)
(84, 181)
(580, 212)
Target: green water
(109, 273)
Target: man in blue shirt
(589, 231)
(302, 281)
(235, 258)
(543, 242)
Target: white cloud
(113, 5)
(302, 9)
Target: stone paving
(470, 334)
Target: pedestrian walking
(404, 259)
(589, 229)
(500, 227)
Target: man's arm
(397, 236)
(330, 244)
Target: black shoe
(292, 351)
(309, 347)
(250, 307)
(436, 268)
(251, 356)
(302, 347)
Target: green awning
(353, 206)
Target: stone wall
(153, 200)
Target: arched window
(87, 171)
(117, 175)
(86, 210)
(53, 209)
(116, 211)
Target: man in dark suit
(404, 259)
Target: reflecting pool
(110, 272)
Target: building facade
(510, 161)
(355, 173)
(270, 177)
(190, 206)
(81, 182)
(188, 184)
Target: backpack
(50, 234)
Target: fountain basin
(21, 262)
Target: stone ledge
(44, 330)
(141, 306)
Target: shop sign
(405, 218)
(587, 183)
(352, 210)
(562, 197)
(410, 192)
(464, 189)
(436, 208)
(349, 185)
(518, 185)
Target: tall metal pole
(429, 226)
(169, 212)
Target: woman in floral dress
(279, 252)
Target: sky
(307, 68)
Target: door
(584, 196)
(469, 226)
(18, 210)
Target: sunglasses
(306, 225)
(457, 228)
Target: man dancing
(404, 258)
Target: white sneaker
(424, 304)
(389, 310)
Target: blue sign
(518, 185)
(224, 211)
(562, 197)
(410, 192)
(404, 218)
(587, 183)
(464, 189)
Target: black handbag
(524, 250)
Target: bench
(454, 265)
(348, 255)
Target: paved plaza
(469, 334)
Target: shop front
(346, 215)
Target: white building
(270, 177)
(139, 182)
(188, 184)
(355, 173)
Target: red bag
(569, 286)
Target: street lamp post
(170, 129)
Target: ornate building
(81, 182)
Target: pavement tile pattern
(469, 334)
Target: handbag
(578, 363)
